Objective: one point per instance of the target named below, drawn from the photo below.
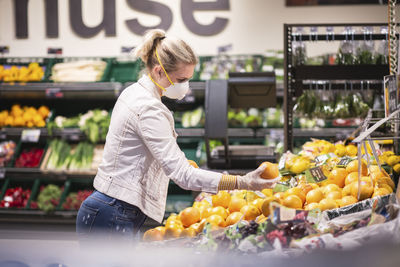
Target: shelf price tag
(30, 136)
(4, 49)
(315, 175)
(2, 173)
(391, 94)
(54, 51)
(54, 93)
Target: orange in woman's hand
(271, 171)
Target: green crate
(25, 183)
(122, 71)
(190, 146)
(73, 185)
(46, 63)
(44, 182)
(176, 203)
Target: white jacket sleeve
(157, 133)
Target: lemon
(393, 160)
(351, 150)
(300, 166)
(396, 168)
(327, 204)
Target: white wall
(254, 26)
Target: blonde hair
(171, 50)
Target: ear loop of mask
(159, 61)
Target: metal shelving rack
(345, 76)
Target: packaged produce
(16, 197)
(366, 49)
(24, 116)
(195, 118)
(75, 199)
(347, 49)
(78, 71)
(382, 52)
(29, 158)
(299, 55)
(48, 198)
(31, 73)
(7, 150)
(240, 118)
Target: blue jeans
(106, 217)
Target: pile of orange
(24, 116)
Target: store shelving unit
(304, 77)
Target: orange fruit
(314, 196)
(305, 188)
(385, 180)
(378, 174)
(351, 150)
(337, 176)
(222, 198)
(293, 201)
(193, 163)
(204, 212)
(233, 218)
(366, 190)
(258, 203)
(380, 192)
(173, 230)
(334, 195)
(216, 220)
(267, 192)
(348, 200)
(188, 232)
(312, 206)
(279, 196)
(346, 190)
(190, 216)
(353, 167)
(236, 204)
(261, 219)
(327, 204)
(265, 206)
(386, 186)
(250, 212)
(351, 177)
(218, 211)
(271, 171)
(329, 188)
(161, 229)
(296, 191)
(153, 235)
(198, 227)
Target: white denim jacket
(141, 153)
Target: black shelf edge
(72, 86)
(340, 72)
(33, 173)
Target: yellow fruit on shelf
(233, 218)
(218, 211)
(327, 204)
(9, 121)
(44, 111)
(271, 171)
(250, 196)
(348, 200)
(188, 232)
(334, 195)
(279, 196)
(216, 220)
(329, 188)
(351, 150)
(250, 212)
(236, 204)
(222, 198)
(173, 230)
(258, 203)
(267, 192)
(338, 176)
(386, 186)
(300, 165)
(353, 167)
(385, 180)
(161, 229)
(265, 206)
(296, 191)
(314, 196)
(380, 192)
(293, 201)
(204, 212)
(393, 160)
(190, 216)
(153, 235)
(340, 150)
(312, 206)
(346, 190)
(366, 190)
(198, 227)
(351, 177)
(305, 188)
(396, 168)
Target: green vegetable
(49, 197)
(59, 153)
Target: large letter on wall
(149, 7)
(21, 18)
(51, 11)
(189, 6)
(76, 19)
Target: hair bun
(150, 40)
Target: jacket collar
(148, 84)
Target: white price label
(30, 136)
(2, 173)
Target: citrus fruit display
(24, 116)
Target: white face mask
(177, 90)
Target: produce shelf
(94, 90)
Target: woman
(141, 154)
